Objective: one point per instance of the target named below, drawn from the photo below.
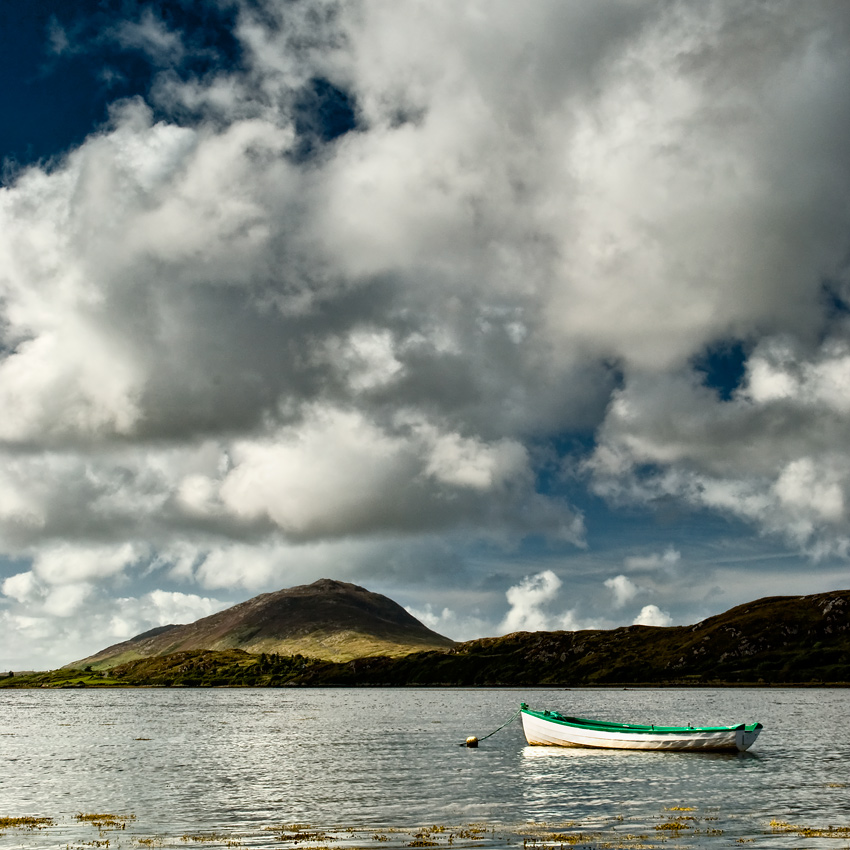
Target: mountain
(328, 619)
(775, 640)
(790, 640)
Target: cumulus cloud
(770, 455)
(67, 564)
(623, 588)
(159, 608)
(22, 587)
(652, 615)
(57, 625)
(575, 621)
(451, 623)
(527, 600)
(226, 323)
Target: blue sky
(527, 318)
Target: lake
(309, 768)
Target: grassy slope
(340, 646)
(337, 646)
(63, 678)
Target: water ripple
(365, 767)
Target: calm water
(383, 767)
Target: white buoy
(472, 741)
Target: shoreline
(672, 826)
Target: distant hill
(781, 640)
(775, 640)
(328, 619)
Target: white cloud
(472, 464)
(652, 615)
(623, 588)
(68, 564)
(802, 487)
(68, 622)
(667, 561)
(250, 567)
(771, 455)
(456, 625)
(573, 621)
(173, 607)
(150, 35)
(527, 600)
(370, 359)
(158, 608)
(23, 587)
(328, 474)
(66, 600)
(498, 231)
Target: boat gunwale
(611, 726)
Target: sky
(528, 316)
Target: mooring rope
(472, 741)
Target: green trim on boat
(608, 726)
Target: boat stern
(745, 735)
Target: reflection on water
(633, 755)
(365, 767)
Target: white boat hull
(544, 732)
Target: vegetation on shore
(673, 826)
(194, 668)
(780, 640)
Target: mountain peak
(332, 584)
(327, 619)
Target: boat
(551, 728)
